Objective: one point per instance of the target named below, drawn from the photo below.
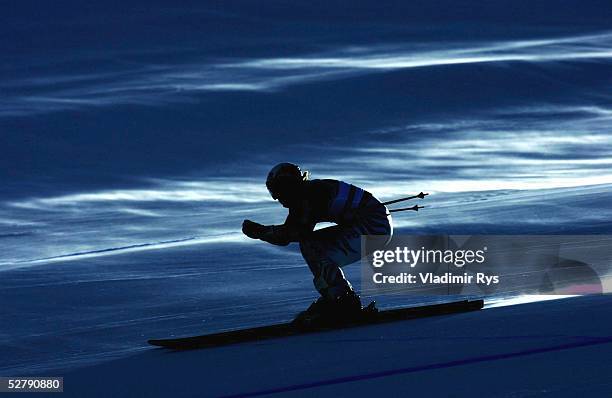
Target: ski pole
(415, 208)
(420, 196)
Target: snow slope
(552, 348)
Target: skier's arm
(291, 231)
(298, 226)
(274, 234)
(282, 235)
(277, 235)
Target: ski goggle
(272, 189)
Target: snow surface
(559, 348)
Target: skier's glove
(253, 230)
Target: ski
(370, 317)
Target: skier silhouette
(355, 212)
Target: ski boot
(347, 307)
(331, 311)
(313, 313)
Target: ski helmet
(283, 175)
